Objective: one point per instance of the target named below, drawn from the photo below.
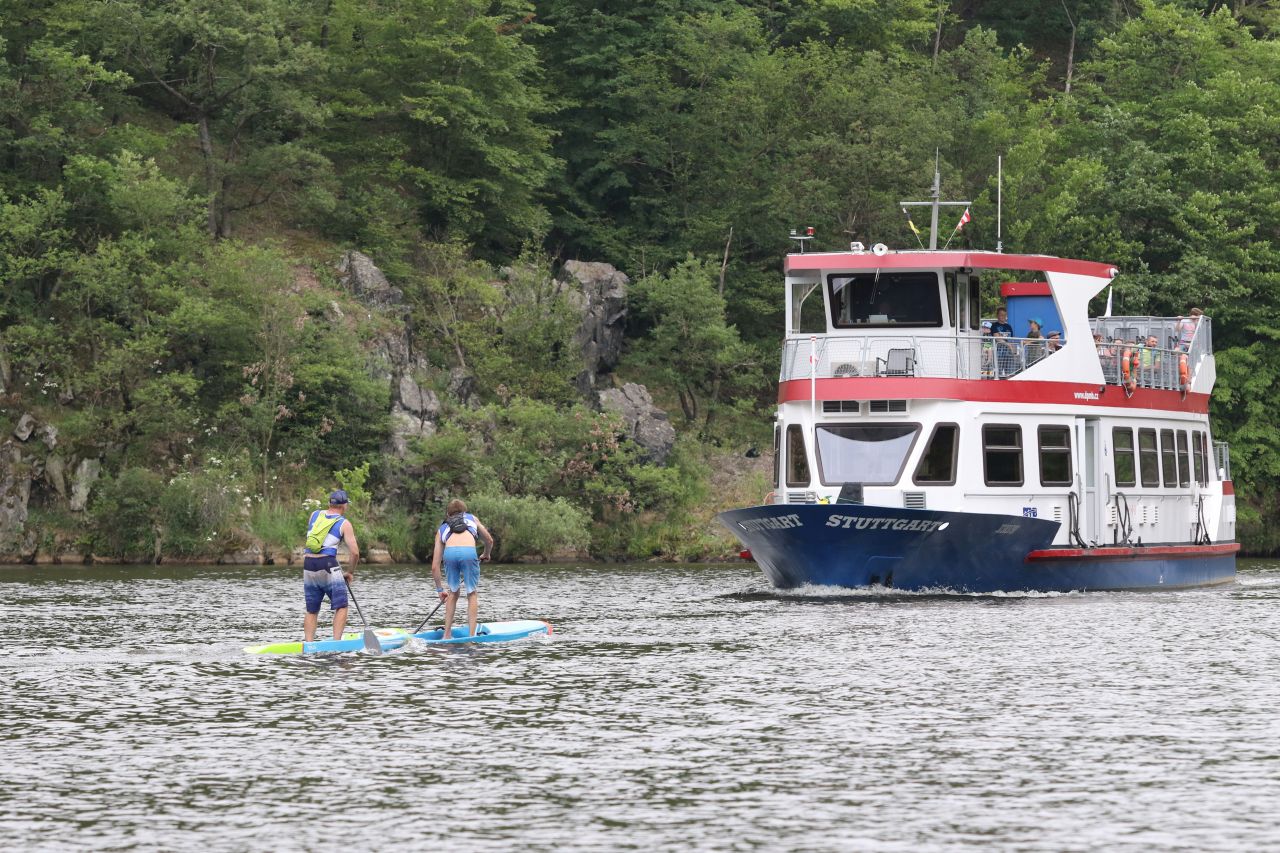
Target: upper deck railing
(1152, 363)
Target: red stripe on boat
(1124, 552)
(937, 260)
(991, 391)
(1228, 487)
(1025, 288)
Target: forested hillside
(194, 193)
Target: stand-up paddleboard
(487, 632)
(388, 638)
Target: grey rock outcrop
(368, 283)
(82, 483)
(26, 426)
(15, 493)
(646, 424)
(599, 292)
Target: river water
(674, 706)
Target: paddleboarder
(322, 574)
(455, 547)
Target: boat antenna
(935, 202)
(999, 200)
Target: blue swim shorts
(321, 576)
(461, 564)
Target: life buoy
(1183, 372)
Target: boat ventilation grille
(801, 498)
(1112, 520)
(913, 500)
(839, 407)
(884, 407)
(1057, 513)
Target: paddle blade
(371, 644)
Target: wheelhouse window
(1148, 458)
(1002, 454)
(938, 463)
(797, 459)
(1197, 439)
(1167, 458)
(886, 299)
(1122, 445)
(1184, 469)
(1055, 456)
(872, 454)
(777, 454)
(807, 311)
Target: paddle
(371, 643)
(428, 619)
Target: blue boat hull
(853, 545)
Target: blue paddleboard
(388, 638)
(487, 632)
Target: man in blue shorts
(322, 574)
(456, 549)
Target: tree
(240, 72)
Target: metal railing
(975, 356)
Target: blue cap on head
(338, 497)
(1037, 321)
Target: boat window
(975, 303)
(807, 314)
(777, 455)
(1002, 454)
(1055, 456)
(1197, 440)
(954, 299)
(1122, 444)
(1148, 458)
(938, 464)
(797, 460)
(872, 454)
(884, 299)
(1184, 469)
(1168, 460)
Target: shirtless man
(456, 548)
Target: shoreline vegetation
(528, 254)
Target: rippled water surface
(675, 706)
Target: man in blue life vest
(456, 549)
(322, 574)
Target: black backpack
(457, 522)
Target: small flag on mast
(964, 219)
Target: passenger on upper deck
(1006, 358)
(1187, 329)
(1053, 340)
(1035, 348)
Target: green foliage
(396, 531)
(124, 511)
(353, 481)
(528, 525)
(202, 512)
(689, 346)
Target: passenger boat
(914, 451)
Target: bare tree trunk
(1071, 51)
(210, 174)
(937, 35)
(724, 265)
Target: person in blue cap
(322, 574)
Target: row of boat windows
(876, 455)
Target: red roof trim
(935, 260)
(1175, 552)
(992, 391)
(1025, 288)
